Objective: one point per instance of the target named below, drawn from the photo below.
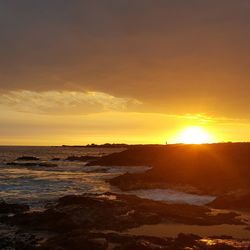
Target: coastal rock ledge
(100, 222)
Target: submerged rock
(27, 158)
(55, 159)
(46, 164)
(82, 158)
(31, 164)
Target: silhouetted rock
(18, 241)
(80, 239)
(6, 208)
(55, 159)
(236, 200)
(80, 222)
(187, 239)
(82, 158)
(27, 158)
(31, 164)
(76, 241)
(47, 165)
(126, 211)
(226, 164)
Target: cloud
(65, 102)
(175, 56)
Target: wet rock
(26, 164)
(86, 240)
(27, 158)
(18, 241)
(31, 164)
(170, 163)
(187, 239)
(99, 170)
(232, 201)
(6, 208)
(47, 165)
(76, 242)
(126, 211)
(75, 218)
(82, 158)
(55, 159)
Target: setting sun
(195, 135)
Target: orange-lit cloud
(65, 102)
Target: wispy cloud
(65, 102)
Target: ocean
(39, 185)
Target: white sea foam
(172, 196)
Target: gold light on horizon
(195, 135)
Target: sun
(195, 135)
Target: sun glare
(195, 135)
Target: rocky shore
(104, 221)
(210, 169)
(100, 222)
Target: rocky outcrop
(56, 159)
(6, 208)
(226, 164)
(85, 158)
(81, 222)
(27, 158)
(236, 200)
(125, 211)
(32, 164)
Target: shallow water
(173, 196)
(37, 185)
(172, 230)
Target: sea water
(38, 185)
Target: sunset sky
(123, 71)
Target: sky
(132, 71)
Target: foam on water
(173, 196)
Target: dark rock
(55, 159)
(6, 208)
(126, 211)
(47, 165)
(237, 200)
(85, 158)
(25, 164)
(76, 242)
(79, 239)
(27, 158)
(99, 170)
(18, 241)
(187, 239)
(227, 164)
(31, 164)
(80, 222)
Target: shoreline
(100, 221)
(113, 217)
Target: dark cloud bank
(174, 56)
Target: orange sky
(77, 72)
